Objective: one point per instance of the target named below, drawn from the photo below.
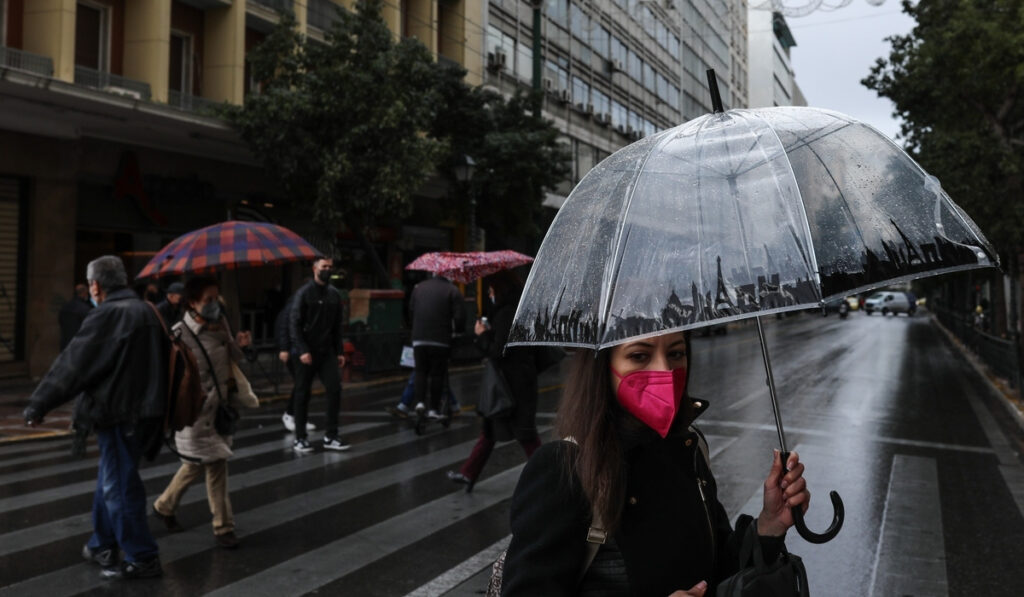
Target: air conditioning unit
(581, 107)
(590, 108)
(496, 60)
(637, 135)
(549, 84)
(629, 131)
(564, 96)
(621, 128)
(616, 66)
(603, 119)
(123, 92)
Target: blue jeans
(409, 393)
(119, 505)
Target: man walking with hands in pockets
(315, 332)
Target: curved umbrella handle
(838, 516)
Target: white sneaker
(335, 444)
(432, 414)
(289, 423)
(420, 407)
(301, 445)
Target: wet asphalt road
(883, 410)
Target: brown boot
(227, 540)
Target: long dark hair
(591, 415)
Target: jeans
(325, 366)
(119, 504)
(432, 365)
(409, 393)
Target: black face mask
(324, 275)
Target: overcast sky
(836, 49)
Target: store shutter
(9, 242)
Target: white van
(889, 302)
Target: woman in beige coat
(205, 322)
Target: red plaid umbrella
(467, 267)
(229, 245)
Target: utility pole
(538, 97)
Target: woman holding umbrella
(205, 330)
(517, 366)
(634, 471)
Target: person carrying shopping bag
(206, 445)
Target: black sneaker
(336, 444)
(133, 570)
(104, 557)
(169, 520)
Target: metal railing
(322, 14)
(278, 5)
(112, 83)
(26, 61)
(1000, 355)
(192, 103)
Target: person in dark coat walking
(282, 336)
(635, 474)
(518, 368)
(172, 308)
(314, 328)
(73, 313)
(435, 307)
(117, 362)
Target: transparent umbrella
(733, 215)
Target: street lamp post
(464, 174)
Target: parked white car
(889, 301)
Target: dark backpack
(185, 395)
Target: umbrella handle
(838, 516)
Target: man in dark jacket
(435, 306)
(314, 329)
(118, 363)
(284, 354)
(73, 313)
(172, 308)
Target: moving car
(889, 301)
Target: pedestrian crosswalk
(383, 520)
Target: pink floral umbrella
(467, 267)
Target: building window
(3, 23)
(180, 72)
(92, 36)
(12, 269)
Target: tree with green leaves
(519, 157)
(340, 124)
(957, 82)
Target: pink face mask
(653, 396)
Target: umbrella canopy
(229, 245)
(467, 267)
(734, 215)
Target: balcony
(111, 83)
(321, 14)
(26, 61)
(275, 5)
(192, 103)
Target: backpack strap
(596, 534)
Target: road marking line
(464, 571)
(832, 435)
(910, 537)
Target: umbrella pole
(838, 510)
(771, 386)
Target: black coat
(282, 332)
(172, 314)
(314, 322)
(666, 540)
(117, 361)
(435, 306)
(71, 316)
(517, 365)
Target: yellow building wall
(49, 30)
(147, 44)
(224, 54)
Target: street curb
(1004, 395)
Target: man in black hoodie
(314, 330)
(435, 306)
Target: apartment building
(614, 71)
(771, 76)
(106, 146)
